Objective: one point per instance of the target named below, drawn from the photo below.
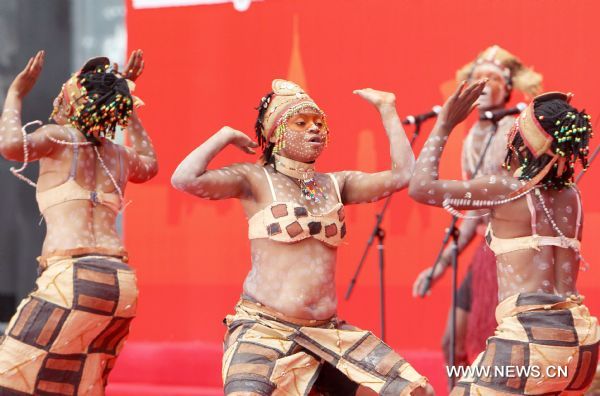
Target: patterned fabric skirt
(544, 345)
(270, 354)
(67, 333)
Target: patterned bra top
(533, 241)
(290, 222)
(70, 190)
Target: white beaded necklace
(17, 172)
(449, 203)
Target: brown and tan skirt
(553, 342)
(268, 353)
(67, 333)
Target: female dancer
(478, 292)
(66, 335)
(284, 335)
(535, 232)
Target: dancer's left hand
(460, 104)
(24, 82)
(376, 98)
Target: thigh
(259, 359)
(362, 357)
(251, 368)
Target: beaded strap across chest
(70, 190)
(290, 222)
(534, 241)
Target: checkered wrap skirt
(270, 354)
(541, 334)
(67, 333)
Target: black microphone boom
(497, 115)
(419, 118)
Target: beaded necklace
(17, 172)
(303, 175)
(449, 203)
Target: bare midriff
(296, 279)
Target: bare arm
(12, 143)
(368, 187)
(192, 176)
(141, 155)
(143, 165)
(425, 186)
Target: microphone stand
(453, 232)
(454, 261)
(379, 233)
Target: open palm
(24, 82)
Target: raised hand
(25, 80)
(375, 97)
(461, 103)
(135, 65)
(240, 140)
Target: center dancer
(535, 232)
(284, 336)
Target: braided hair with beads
(106, 101)
(571, 131)
(266, 146)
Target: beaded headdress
(516, 75)
(288, 99)
(76, 96)
(537, 140)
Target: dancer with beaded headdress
(534, 231)
(284, 337)
(67, 333)
(478, 292)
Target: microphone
(497, 115)
(419, 118)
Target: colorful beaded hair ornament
(563, 142)
(99, 99)
(286, 100)
(547, 138)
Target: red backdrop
(208, 66)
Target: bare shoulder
(53, 131)
(566, 196)
(340, 176)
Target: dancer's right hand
(25, 80)
(135, 65)
(240, 140)
(421, 281)
(375, 97)
(461, 103)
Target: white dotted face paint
(304, 137)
